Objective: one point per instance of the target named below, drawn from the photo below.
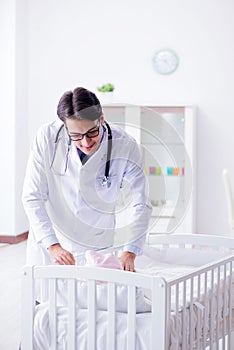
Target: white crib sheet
(169, 263)
(42, 333)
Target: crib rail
(197, 241)
(198, 305)
(52, 273)
(202, 301)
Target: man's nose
(86, 140)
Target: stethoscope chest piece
(106, 182)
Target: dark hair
(79, 104)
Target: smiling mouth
(88, 148)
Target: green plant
(106, 88)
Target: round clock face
(165, 61)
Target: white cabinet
(167, 137)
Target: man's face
(89, 142)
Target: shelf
(162, 143)
(165, 175)
(164, 216)
(167, 138)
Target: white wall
(14, 136)
(7, 86)
(88, 43)
(22, 142)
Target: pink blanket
(94, 258)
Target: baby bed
(183, 300)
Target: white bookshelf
(167, 135)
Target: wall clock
(165, 61)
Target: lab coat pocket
(107, 189)
(97, 195)
(103, 196)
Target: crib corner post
(27, 308)
(159, 315)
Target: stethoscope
(106, 180)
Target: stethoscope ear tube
(61, 158)
(57, 135)
(58, 132)
(109, 149)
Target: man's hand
(60, 255)
(127, 261)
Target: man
(79, 168)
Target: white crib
(191, 311)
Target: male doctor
(81, 176)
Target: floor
(12, 259)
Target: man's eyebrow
(79, 133)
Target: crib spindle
(211, 319)
(131, 320)
(111, 304)
(71, 290)
(230, 345)
(184, 316)
(177, 313)
(224, 307)
(218, 316)
(205, 312)
(198, 328)
(52, 313)
(191, 313)
(91, 315)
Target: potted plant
(106, 88)
(106, 93)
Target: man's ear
(102, 120)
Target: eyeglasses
(94, 132)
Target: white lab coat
(65, 201)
